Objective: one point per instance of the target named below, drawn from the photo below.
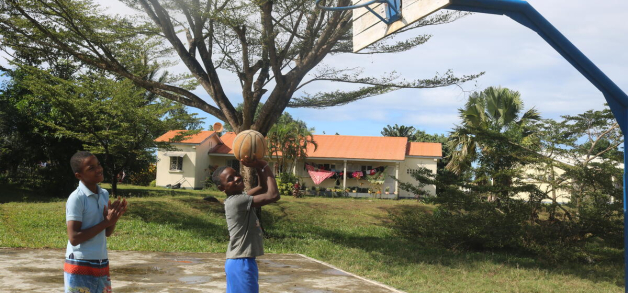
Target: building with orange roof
(342, 154)
(185, 163)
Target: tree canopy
(288, 141)
(272, 47)
(113, 119)
(399, 131)
(492, 125)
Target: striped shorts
(86, 276)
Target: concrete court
(41, 270)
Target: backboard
(368, 28)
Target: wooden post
(397, 182)
(344, 176)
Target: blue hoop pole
(523, 13)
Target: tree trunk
(114, 184)
(249, 175)
(554, 196)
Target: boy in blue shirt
(90, 218)
(245, 234)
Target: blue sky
(511, 55)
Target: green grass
(351, 234)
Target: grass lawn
(351, 234)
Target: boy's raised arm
(267, 191)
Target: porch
(344, 183)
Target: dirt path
(41, 270)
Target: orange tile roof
(225, 148)
(426, 149)
(359, 147)
(193, 139)
(355, 147)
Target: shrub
(285, 183)
(55, 180)
(144, 176)
(465, 219)
(153, 183)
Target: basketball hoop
(392, 9)
(373, 20)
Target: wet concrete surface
(41, 270)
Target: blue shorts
(242, 275)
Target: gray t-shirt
(245, 234)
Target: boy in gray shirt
(245, 234)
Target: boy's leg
(242, 275)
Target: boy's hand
(253, 163)
(123, 206)
(114, 211)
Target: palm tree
(305, 139)
(399, 131)
(288, 142)
(489, 118)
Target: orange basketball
(249, 143)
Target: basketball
(249, 143)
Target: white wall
(195, 165)
(414, 163)
(203, 162)
(186, 176)
(562, 196)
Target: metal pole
(625, 215)
(523, 13)
(344, 176)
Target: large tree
(594, 139)
(31, 154)
(271, 47)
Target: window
(365, 168)
(411, 171)
(176, 163)
(328, 167)
(235, 164)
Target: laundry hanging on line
(378, 173)
(319, 176)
